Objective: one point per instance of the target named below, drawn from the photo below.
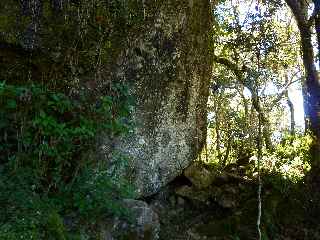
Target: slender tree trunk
(252, 127)
(246, 110)
(217, 128)
(266, 132)
(226, 156)
(292, 120)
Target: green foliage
(45, 170)
(291, 159)
(55, 227)
(292, 147)
(97, 191)
(254, 62)
(48, 130)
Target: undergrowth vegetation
(46, 172)
(56, 99)
(291, 157)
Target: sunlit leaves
(258, 47)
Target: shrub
(45, 171)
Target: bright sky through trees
(295, 95)
(295, 92)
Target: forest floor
(226, 208)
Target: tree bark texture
(292, 120)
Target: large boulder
(159, 48)
(168, 64)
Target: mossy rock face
(168, 64)
(159, 48)
(144, 223)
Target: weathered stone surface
(227, 196)
(199, 176)
(144, 225)
(158, 47)
(168, 65)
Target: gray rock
(143, 225)
(181, 201)
(163, 56)
(168, 65)
(227, 196)
(199, 176)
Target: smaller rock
(193, 235)
(144, 224)
(199, 176)
(180, 201)
(158, 207)
(172, 201)
(192, 194)
(227, 202)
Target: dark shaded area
(289, 210)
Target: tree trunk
(226, 156)
(311, 92)
(266, 132)
(292, 120)
(217, 127)
(246, 110)
(317, 26)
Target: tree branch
(231, 65)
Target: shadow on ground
(222, 205)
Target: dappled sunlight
(256, 132)
(159, 120)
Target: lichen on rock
(168, 64)
(158, 48)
